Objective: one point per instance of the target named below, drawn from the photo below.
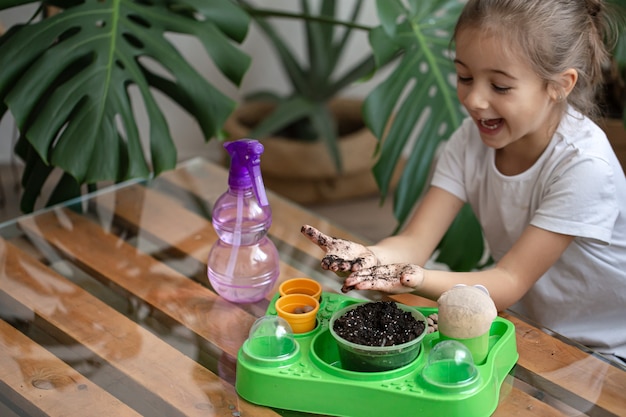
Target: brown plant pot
(304, 171)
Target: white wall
(7, 126)
(264, 73)
(7, 139)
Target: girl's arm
(394, 264)
(414, 245)
(529, 258)
(418, 240)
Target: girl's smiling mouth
(490, 124)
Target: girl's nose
(475, 99)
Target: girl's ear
(563, 84)
(568, 80)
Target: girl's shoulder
(580, 140)
(583, 135)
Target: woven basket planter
(304, 171)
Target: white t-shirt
(576, 187)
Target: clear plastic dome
(450, 365)
(270, 338)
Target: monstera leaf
(416, 106)
(66, 80)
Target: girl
(540, 176)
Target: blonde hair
(553, 35)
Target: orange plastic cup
(306, 286)
(300, 311)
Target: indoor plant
(65, 79)
(313, 83)
(310, 121)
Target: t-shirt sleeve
(580, 200)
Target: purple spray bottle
(243, 264)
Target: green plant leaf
(34, 175)
(297, 76)
(323, 122)
(322, 55)
(389, 13)
(341, 44)
(286, 112)
(462, 247)
(383, 46)
(7, 4)
(362, 70)
(66, 189)
(66, 80)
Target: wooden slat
(570, 368)
(181, 385)
(40, 380)
(514, 402)
(114, 261)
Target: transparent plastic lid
(450, 365)
(270, 338)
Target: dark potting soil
(380, 323)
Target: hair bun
(594, 7)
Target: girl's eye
(464, 80)
(500, 89)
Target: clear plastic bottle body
(256, 268)
(242, 206)
(243, 264)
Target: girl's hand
(394, 279)
(341, 255)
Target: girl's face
(509, 103)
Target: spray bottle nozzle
(245, 167)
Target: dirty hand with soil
(366, 273)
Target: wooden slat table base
(142, 359)
(569, 368)
(40, 380)
(184, 300)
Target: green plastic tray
(312, 380)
